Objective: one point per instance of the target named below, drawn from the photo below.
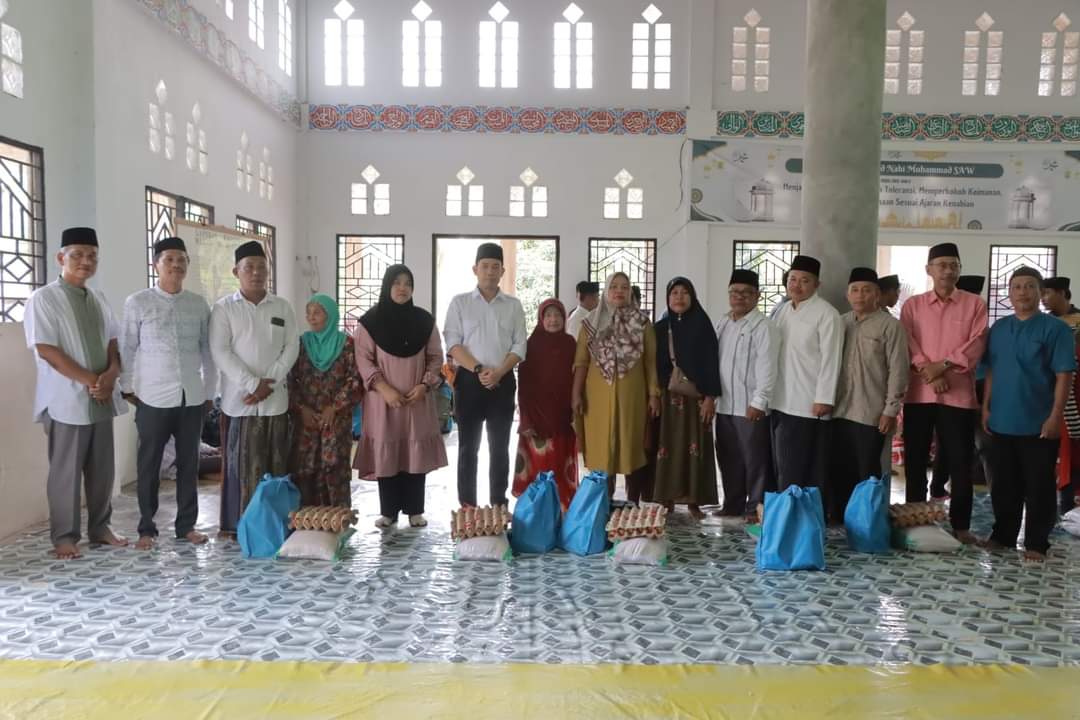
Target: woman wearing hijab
(615, 388)
(323, 389)
(545, 382)
(686, 348)
(399, 354)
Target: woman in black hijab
(688, 366)
(399, 355)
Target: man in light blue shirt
(1030, 358)
(485, 334)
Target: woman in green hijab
(324, 387)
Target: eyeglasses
(741, 293)
(946, 265)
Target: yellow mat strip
(231, 690)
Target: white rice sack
(315, 544)
(1070, 522)
(925, 538)
(495, 548)
(641, 551)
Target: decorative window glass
(750, 54)
(622, 199)
(421, 38)
(353, 56)
(197, 157)
(770, 260)
(1059, 56)
(161, 126)
(11, 56)
(22, 226)
(658, 53)
(245, 177)
(162, 210)
(530, 196)
(265, 232)
(1004, 261)
(362, 261)
(465, 195)
(573, 50)
(379, 194)
(904, 57)
(635, 257)
(230, 9)
(983, 50)
(285, 36)
(257, 22)
(266, 176)
(498, 49)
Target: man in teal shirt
(1029, 362)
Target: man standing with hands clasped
(946, 329)
(485, 334)
(1029, 364)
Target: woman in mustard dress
(615, 386)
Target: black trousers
(981, 467)
(955, 429)
(475, 405)
(402, 493)
(744, 455)
(639, 484)
(155, 426)
(1024, 476)
(800, 450)
(856, 457)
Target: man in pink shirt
(946, 330)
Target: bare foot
(145, 542)
(695, 512)
(67, 551)
(111, 538)
(417, 521)
(966, 537)
(196, 538)
(1033, 556)
(991, 545)
(226, 535)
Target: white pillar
(845, 54)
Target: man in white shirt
(254, 343)
(485, 331)
(748, 348)
(169, 376)
(811, 347)
(72, 331)
(588, 296)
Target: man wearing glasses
(946, 330)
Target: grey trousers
(77, 452)
(743, 452)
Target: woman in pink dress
(399, 355)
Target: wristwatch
(947, 364)
(478, 369)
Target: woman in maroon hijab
(545, 380)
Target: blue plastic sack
(265, 523)
(535, 527)
(792, 531)
(866, 516)
(583, 529)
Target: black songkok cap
(805, 263)
(889, 282)
(971, 283)
(862, 274)
(252, 248)
(944, 250)
(587, 287)
(489, 251)
(79, 236)
(169, 243)
(1056, 283)
(744, 277)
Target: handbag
(679, 384)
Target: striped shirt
(748, 348)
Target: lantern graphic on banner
(1021, 207)
(761, 201)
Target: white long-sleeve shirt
(748, 349)
(573, 323)
(488, 330)
(249, 342)
(165, 349)
(811, 348)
